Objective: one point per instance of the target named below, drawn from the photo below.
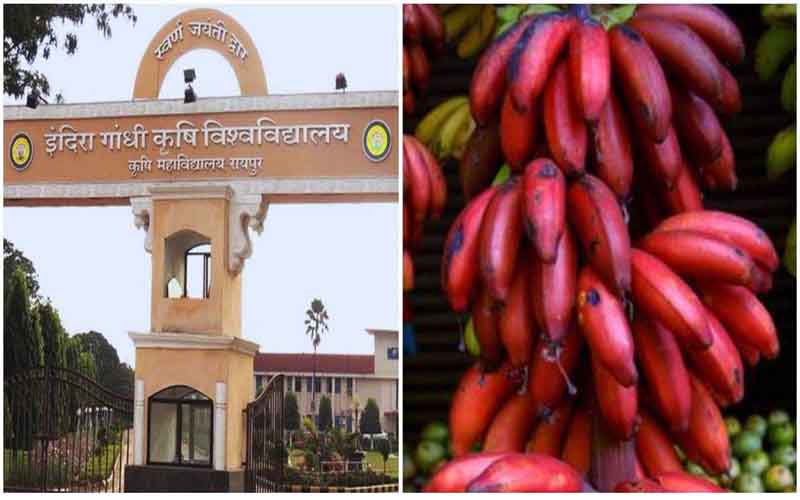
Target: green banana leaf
(502, 175)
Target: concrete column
(138, 423)
(220, 409)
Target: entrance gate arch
(212, 167)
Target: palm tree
(316, 324)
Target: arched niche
(177, 248)
(155, 64)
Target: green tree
(22, 335)
(86, 365)
(106, 359)
(325, 412)
(30, 29)
(14, 259)
(291, 414)
(54, 336)
(316, 324)
(384, 448)
(371, 418)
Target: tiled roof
(270, 362)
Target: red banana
(578, 443)
(545, 200)
(617, 404)
(762, 279)
(590, 68)
(736, 230)
(488, 84)
(613, 155)
(553, 289)
(643, 81)
(730, 102)
(500, 238)
(720, 174)
(664, 159)
(455, 475)
(564, 127)
(684, 195)
(419, 187)
(602, 320)
(668, 300)
(408, 101)
(654, 447)
(552, 365)
(412, 24)
(420, 66)
(708, 21)
(535, 54)
(485, 318)
(706, 440)
(432, 25)
(750, 355)
(549, 434)
(698, 256)
(516, 324)
(476, 401)
(664, 370)
(406, 70)
(683, 53)
(408, 271)
(720, 366)
(597, 217)
(481, 160)
(530, 472)
(436, 176)
(518, 133)
(744, 316)
(512, 425)
(460, 259)
(697, 125)
(682, 482)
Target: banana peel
(789, 88)
(779, 14)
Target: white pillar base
(220, 409)
(138, 423)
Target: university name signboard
(279, 138)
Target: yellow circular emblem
(377, 140)
(21, 151)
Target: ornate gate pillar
(195, 334)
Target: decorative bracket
(142, 214)
(246, 212)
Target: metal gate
(266, 450)
(64, 433)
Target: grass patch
(375, 461)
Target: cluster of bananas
(469, 28)
(423, 31)
(544, 262)
(424, 197)
(447, 128)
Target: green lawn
(375, 461)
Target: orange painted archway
(200, 29)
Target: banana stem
(613, 461)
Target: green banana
(459, 19)
(772, 49)
(471, 340)
(455, 124)
(428, 129)
(790, 254)
(789, 88)
(780, 14)
(502, 175)
(781, 154)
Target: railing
(266, 452)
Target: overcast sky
(91, 261)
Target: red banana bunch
(423, 31)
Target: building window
(317, 385)
(330, 385)
(308, 384)
(350, 386)
(288, 384)
(392, 353)
(298, 384)
(180, 427)
(337, 385)
(197, 280)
